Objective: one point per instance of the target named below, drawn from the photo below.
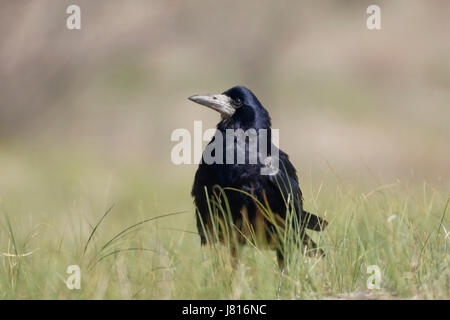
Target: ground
(50, 203)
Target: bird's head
(237, 106)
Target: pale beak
(218, 102)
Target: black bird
(241, 188)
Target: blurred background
(86, 118)
(109, 95)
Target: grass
(131, 229)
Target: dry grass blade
(11, 233)
(96, 226)
(181, 230)
(122, 250)
(19, 255)
(138, 224)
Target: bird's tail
(314, 222)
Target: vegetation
(132, 232)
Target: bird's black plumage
(241, 109)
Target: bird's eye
(237, 102)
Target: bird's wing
(286, 181)
(287, 184)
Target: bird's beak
(218, 102)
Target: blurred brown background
(341, 95)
